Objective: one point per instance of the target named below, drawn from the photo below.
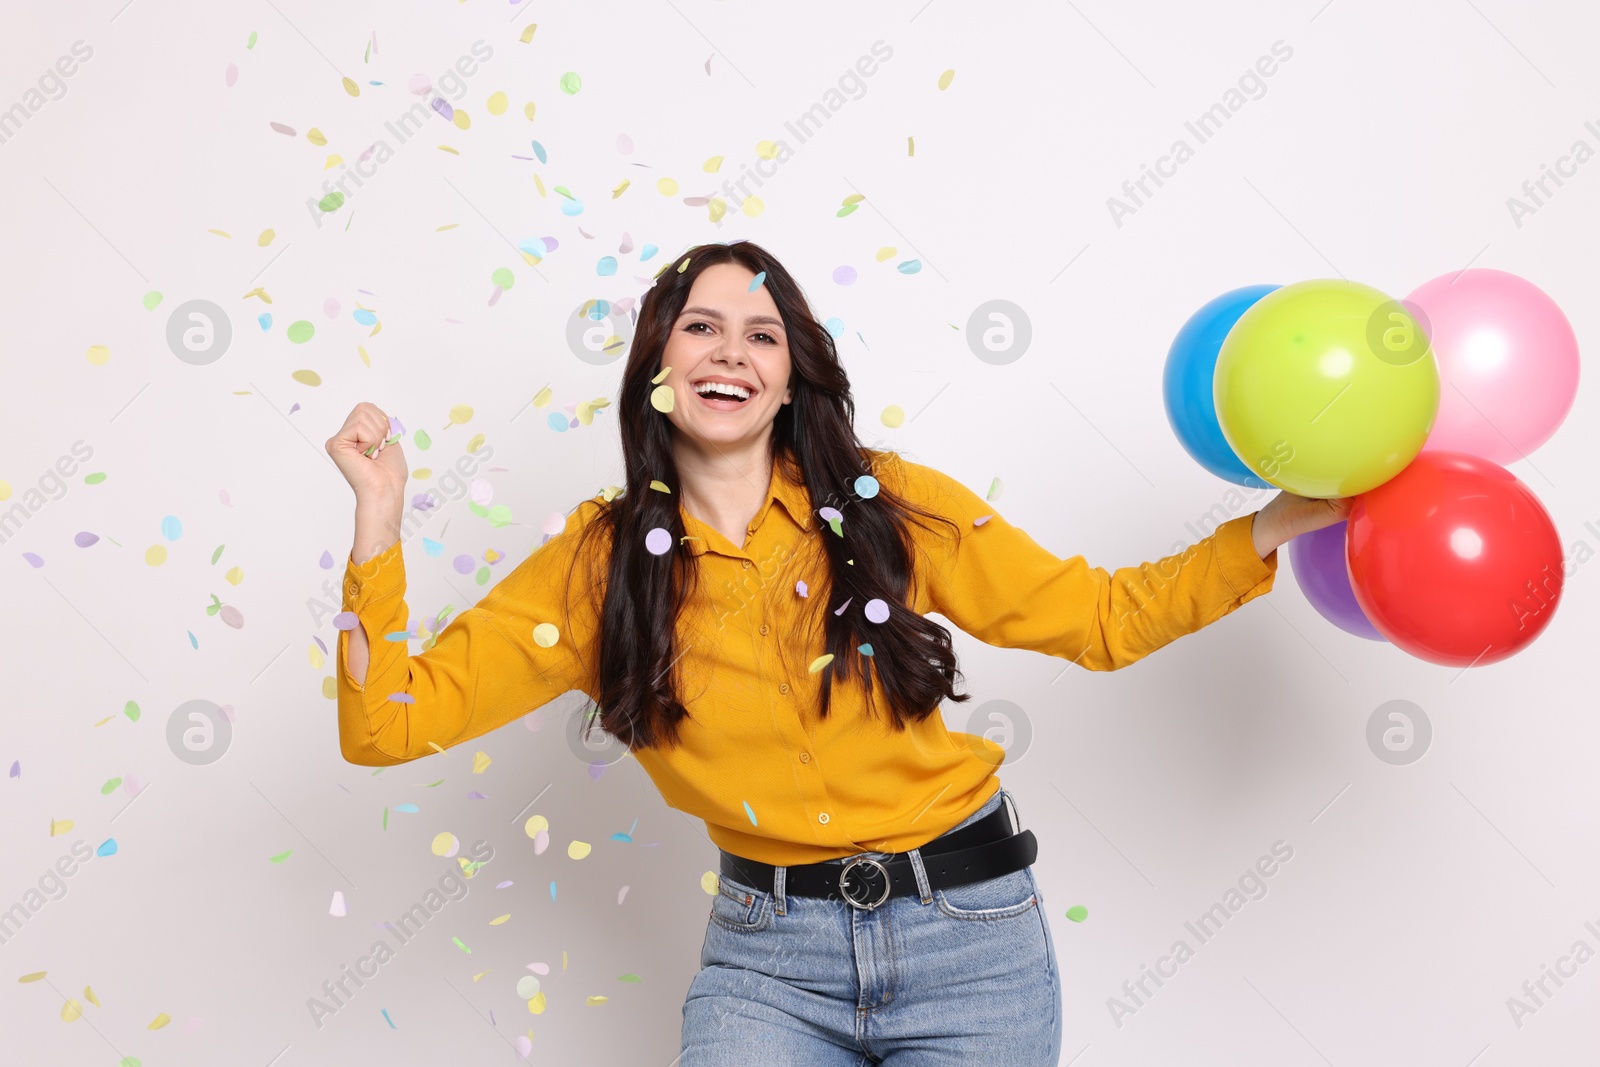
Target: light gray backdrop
(1419, 897)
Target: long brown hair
(814, 435)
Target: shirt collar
(786, 488)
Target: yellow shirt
(772, 781)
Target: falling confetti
(1077, 913)
(945, 79)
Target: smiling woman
(799, 714)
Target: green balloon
(1326, 388)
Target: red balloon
(1454, 559)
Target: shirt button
(745, 564)
(823, 817)
(354, 589)
(783, 687)
(805, 757)
(765, 629)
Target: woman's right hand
(380, 477)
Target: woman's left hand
(1287, 516)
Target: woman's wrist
(1264, 535)
(377, 528)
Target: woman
(749, 617)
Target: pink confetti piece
(802, 589)
(844, 605)
(624, 144)
(231, 75)
(980, 522)
(346, 620)
(287, 131)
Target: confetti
(545, 635)
(662, 398)
(945, 79)
(867, 487)
(877, 611)
(571, 83)
(480, 762)
(755, 283)
(1077, 913)
(280, 857)
(338, 908)
(300, 332)
(658, 541)
(893, 416)
(99, 356)
(820, 662)
(750, 813)
(578, 849)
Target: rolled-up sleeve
(484, 668)
(998, 584)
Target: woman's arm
(490, 664)
(999, 585)
(377, 528)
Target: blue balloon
(1186, 384)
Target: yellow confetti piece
(546, 635)
(712, 165)
(315, 136)
(885, 253)
(499, 919)
(820, 662)
(71, 1011)
(260, 292)
(435, 746)
(497, 103)
(716, 208)
(659, 486)
(155, 555)
(480, 974)
(351, 87)
(447, 148)
(528, 109)
(610, 493)
(767, 149)
(461, 413)
(534, 824)
(684, 265)
(661, 377)
(578, 849)
(752, 206)
(159, 1021)
(333, 160)
(330, 688)
(527, 32)
(234, 576)
(893, 415)
(538, 184)
(307, 377)
(222, 233)
(266, 238)
(853, 198)
(444, 844)
(480, 762)
(661, 398)
(536, 1004)
(911, 146)
(60, 826)
(475, 443)
(99, 356)
(88, 994)
(666, 186)
(33, 977)
(364, 357)
(946, 78)
(709, 882)
(314, 654)
(461, 119)
(596, 999)
(542, 397)
(618, 191)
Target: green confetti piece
(331, 203)
(564, 191)
(503, 278)
(842, 212)
(499, 515)
(129, 1061)
(151, 299)
(251, 43)
(833, 524)
(482, 577)
(280, 857)
(300, 332)
(629, 978)
(422, 440)
(430, 785)
(131, 710)
(110, 786)
(386, 817)
(461, 946)
(94, 479)
(218, 553)
(1077, 913)
(571, 83)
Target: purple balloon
(1319, 566)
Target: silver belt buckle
(864, 884)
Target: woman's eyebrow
(713, 313)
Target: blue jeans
(937, 978)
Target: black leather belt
(985, 849)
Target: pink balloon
(1508, 363)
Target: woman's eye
(692, 325)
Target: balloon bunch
(1331, 388)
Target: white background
(1418, 899)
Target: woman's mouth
(720, 401)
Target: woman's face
(728, 334)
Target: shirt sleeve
(998, 584)
(484, 668)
